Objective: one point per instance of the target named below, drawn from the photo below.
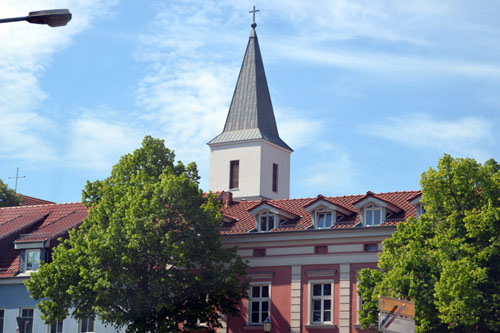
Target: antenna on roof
(17, 177)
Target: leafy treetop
(149, 256)
(447, 261)
(8, 197)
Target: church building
(304, 254)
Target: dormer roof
(265, 205)
(372, 198)
(37, 226)
(416, 199)
(251, 114)
(322, 201)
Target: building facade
(27, 236)
(304, 254)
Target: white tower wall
(256, 158)
(271, 154)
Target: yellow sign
(392, 305)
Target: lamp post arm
(13, 19)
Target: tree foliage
(8, 197)
(447, 261)
(149, 256)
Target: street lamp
(53, 17)
(267, 325)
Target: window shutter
(43, 255)
(21, 261)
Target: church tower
(249, 158)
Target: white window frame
(311, 298)
(267, 215)
(49, 330)
(80, 326)
(26, 256)
(420, 209)
(258, 299)
(316, 214)
(32, 316)
(373, 208)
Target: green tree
(149, 256)
(447, 261)
(8, 197)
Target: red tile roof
(47, 222)
(26, 200)
(245, 222)
(22, 224)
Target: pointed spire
(251, 114)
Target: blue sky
(369, 94)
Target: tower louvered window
(275, 177)
(234, 174)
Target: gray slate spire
(251, 114)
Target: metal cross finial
(253, 12)
(17, 177)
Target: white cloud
(296, 130)
(98, 143)
(466, 136)
(390, 37)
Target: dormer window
(324, 213)
(32, 260)
(267, 221)
(324, 218)
(419, 207)
(372, 215)
(269, 216)
(374, 209)
(420, 210)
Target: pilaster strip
(296, 299)
(345, 298)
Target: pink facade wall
(305, 295)
(280, 302)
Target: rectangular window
(234, 174)
(259, 252)
(321, 249)
(324, 220)
(275, 177)
(321, 303)
(2, 314)
(26, 321)
(32, 260)
(373, 215)
(56, 327)
(371, 247)
(87, 325)
(420, 210)
(266, 222)
(260, 303)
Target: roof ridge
(42, 205)
(412, 191)
(330, 197)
